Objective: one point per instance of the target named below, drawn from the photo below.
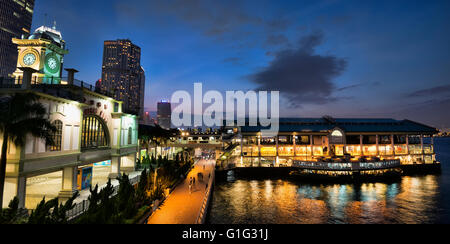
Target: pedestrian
(190, 188)
(194, 180)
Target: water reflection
(412, 200)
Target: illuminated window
(94, 134)
(336, 133)
(56, 136)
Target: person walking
(190, 185)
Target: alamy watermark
(214, 114)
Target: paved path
(182, 207)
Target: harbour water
(412, 199)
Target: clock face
(29, 59)
(52, 63)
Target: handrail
(83, 206)
(347, 165)
(203, 210)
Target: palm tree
(155, 164)
(21, 114)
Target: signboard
(84, 178)
(104, 163)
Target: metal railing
(16, 82)
(204, 208)
(387, 164)
(83, 206)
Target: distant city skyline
(341, 58)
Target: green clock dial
(52, 63)
(29, 59)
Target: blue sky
(341, 58)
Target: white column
(276, 143)
(293, 139)
(21, 190)
(407, 144)
(377, 145)
(242, 142)
(115, 167)
(421, 147)
(69, 183)
(393, 145)
(361, 144)
(432, 144)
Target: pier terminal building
(332, 146)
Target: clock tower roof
(50, 34)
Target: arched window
(130, 135)
(94, 133)
(336, 133)
(57, 136)
(337, 137)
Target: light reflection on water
(413, 199)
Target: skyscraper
(122, 74)
(164, 113)
(15, 21)
(142, 93)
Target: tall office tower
(163, 114)
(15, 21)
(141, 89)
(122, 74)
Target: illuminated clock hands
(29, 59)
(52, 63)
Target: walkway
(181, 207)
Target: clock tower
(43, 51)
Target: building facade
(15, 20)
(123, 75)
(164, 113)
(328, 140)
(95, 139)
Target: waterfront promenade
(182, 207)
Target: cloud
(438, 90)
(276, 40)
(429, 112)
(243, 24)
(232, 60)
(213, 18)
(300, 74)
(361, 84)
(348, 87)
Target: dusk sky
(338, 58)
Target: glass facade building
(164, 114)
(123, 75)
(15, 21)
